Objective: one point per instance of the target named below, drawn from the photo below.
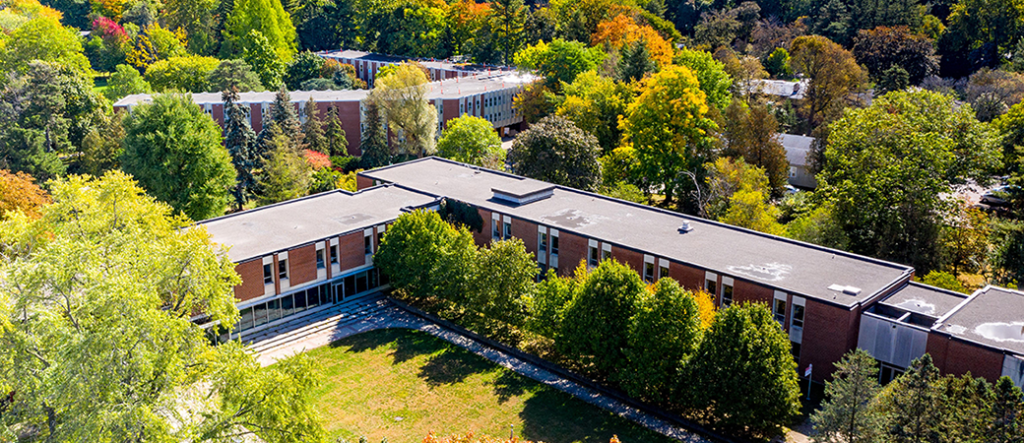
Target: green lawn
(403, 384)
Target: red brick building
(828, 301)
(482, 95)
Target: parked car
(998, 195)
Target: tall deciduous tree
(595, 325)
(834, 76)
(103, 348)
(880, 48)
(401, 97)
(670, 130)
(174, 150)
(503, 277)
(473, 140)
(595, 104)
(710, 73)
(751, 132)
(286, 174)
(559, 61)
(663, 334)
(888, 164)
(258, 53)
(240, 141)
(745, 339)
(426, 257)
(199, 20)
(557, 151)
(269, 19)
(848, 414)
(233, 74)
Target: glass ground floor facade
(307, 298)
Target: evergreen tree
(334, 134)
(374, 144)
(1007, 413)
(240, 140)
(286, 174)
(313, 129)
(847, 414)
(634, 62)
(914, 405)
(893, 79)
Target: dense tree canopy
(556, 151)
(473, 140)
(174, 150)
(268, 18)
(102, 344)
(888, 164)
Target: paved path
(391, 316)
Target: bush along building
(828, 301)
(488, 96)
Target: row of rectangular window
(299, 301)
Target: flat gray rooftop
(262, 231)
(427, 62)
(785, 264)
(925, 299)
(447, 89)
(991, 316)
(797, 147)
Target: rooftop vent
(848, 290)
(685, 227)
(522, 197)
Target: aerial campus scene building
(511, 221)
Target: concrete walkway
(392, 316)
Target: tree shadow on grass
(509, 384)
(556, 417)
(405, 344)
(452, 366)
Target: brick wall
(252, 280)
(350, 248)
(828, 334)
(348, 113)
(571, 250)
(218, 113)
(483, 237)
(256, 112)
(363, 182)
(450, 111)
(957, 357)
(688, 277)
(527, 232)
(302, 265)
(745, 291)
(629, 257)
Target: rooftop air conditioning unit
(685, 227)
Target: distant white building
(779, 88)
(797, 148)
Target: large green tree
(595, 324)
(663, 334)
(402, 97)
(559, 61)
(557, 151)
(888, 165)
(174, 150)
(102, 347)
(670, 130)
(234, 73)
(710, 73)
(743, 377)
(471, 139)
(267, 17)
(425, 257)
(833, 73)
(503, 278)
(848, 414)
(915, 404)
(595, 104)
(181, 74)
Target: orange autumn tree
(622, 29)
(18, 191)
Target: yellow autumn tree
(18, 192)
(622, 29)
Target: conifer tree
(1007, 412)
(313, 129)
(634, 62)
(915, 404)
(376, 151)
(240, 141)
(847, 414)
(283, 120)
(334, 133)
